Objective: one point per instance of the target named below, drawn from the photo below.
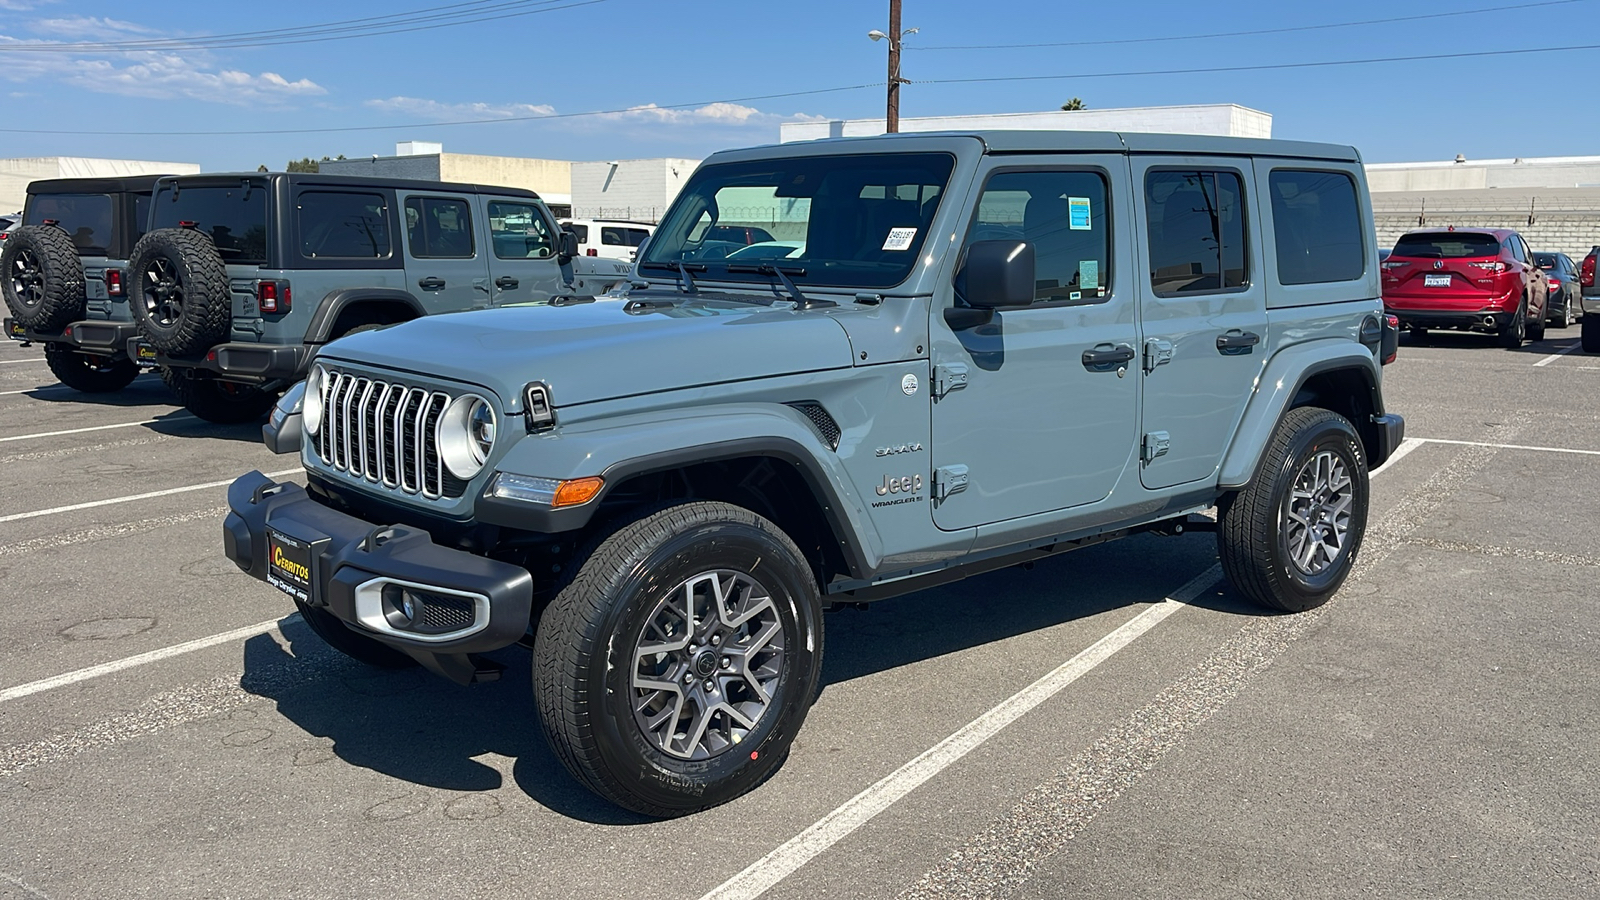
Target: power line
(415, 125)
(396, 23)
(1223, 34)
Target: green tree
(304, 164)
(1073, 105)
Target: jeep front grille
(384, 433)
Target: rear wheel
(1568, 315)
(1289, 538)
(178, 291)
(1536, 324)
(223, 402)
(1515, 329)
(673, 672)
(90, 374)
(41, 277)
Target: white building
(637, 189)
(1222, 119)
(16, 174)
(551, 179)
(1462, 174)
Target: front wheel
(673, 672)
(89, 374)
(1289, 538)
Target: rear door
(445, 266)
(1037, 427)
(1203, 309)
(522, 261)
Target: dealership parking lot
(1110, 723)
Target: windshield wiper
(685, 280)
(782, 273)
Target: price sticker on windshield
(899, 239)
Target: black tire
(89, 374)
(1567, 318)
(41, 277)
(222, 402)
(1515, 330)
(1536, 324)
(358, 647)
(1591, 334)
(1255, 526)
(1418, 334)
(178, 291)
(585, 659)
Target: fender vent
(822, 423)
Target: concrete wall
(637, 189)
(1223, 119)
(1563, 220)
(16, 174)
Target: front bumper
(353, 560)
(252, 363)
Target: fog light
(399, 607)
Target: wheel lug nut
(716, 640)
(726, 662)
(710, 686)
(688, 678)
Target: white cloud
(161, 75)
(449, 112)
(88, 27)
(22, 5)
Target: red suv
(1472, 279)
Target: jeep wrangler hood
(599, 351)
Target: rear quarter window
(235, 217)
(1317, 227)
(343, 225)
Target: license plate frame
(144, 355)
(1436, 281)
(292, 566)
(16, 330)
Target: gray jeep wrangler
(242, 277)
(65, 269)
(958, 352)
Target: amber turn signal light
(577, 492)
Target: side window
(343, 225)
(439, 228)
(582, 231)
(141, 217)
(635, 236)
(519, 231)
(1316, 226)
(613, 237)
(1196, 227)
(1064, 216)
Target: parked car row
(228, 284)
(1484, 280)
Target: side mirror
(996, 274)
(566, 245)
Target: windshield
(235, 217)
(86, 218)
(1451, 245)
(856, 220)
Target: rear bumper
(1591, 304)
(353, 560)
(252, 363)
(1482, 320)
(90, 335)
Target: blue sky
(628, 54)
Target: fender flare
(633, 445)
(1281, 381)
(336, 302)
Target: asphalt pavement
(1112, 723)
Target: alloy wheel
(27, 278)
(1317, 517)
(163, 292)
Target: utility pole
(894, 67)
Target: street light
(893, 118)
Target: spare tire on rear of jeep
(178, 291)
(43, 277)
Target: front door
(1203, 308)
(1037, 408)
(445, 267)
(522, 262)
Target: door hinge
(1156, 353)
(949, 480)
(1156, 443)
(948, 377)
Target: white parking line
(1400, 452)
(1506, 446)
(13, 362)
(14, 517)
(860, 809)
(44, 434)
(1556, 355)
(237, 634)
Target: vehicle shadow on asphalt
(181, 424)
(1554, 341)
(415, 727)
(146, 390)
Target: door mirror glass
(567, 245)
(997, 274)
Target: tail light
(1586, 274)
(1555, 282)
(113, 282)
(1496, 267)
(272, 296)
(1391, 338)
(591, 252)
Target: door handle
(431, 283)
(1105, 357)
(1236, 342)
(505, 282)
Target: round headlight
(466, 434)
(311, 409)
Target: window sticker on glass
(1078, 214)
(899, 238)
(1088, 274)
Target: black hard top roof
(348, 181)
(93, 185)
